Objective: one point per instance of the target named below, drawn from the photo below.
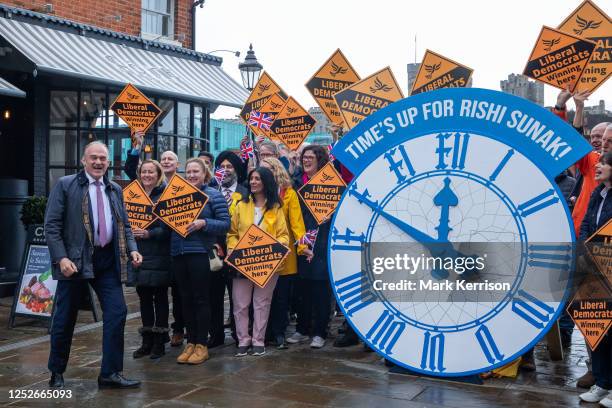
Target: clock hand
(446, 198)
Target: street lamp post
(250, 70)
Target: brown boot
(177, 339)
(199, 355)
(187, 352)
(586, 381)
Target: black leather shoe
(56, 381)
(116, 380)
(346, 340)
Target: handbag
(215, 262)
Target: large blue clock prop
(436, 171)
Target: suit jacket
(69, 229)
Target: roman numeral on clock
(433, 352)
(457, 151)
(490, 349)
(501, 165)
(538, 203)
(532, 309)
(385, 332)
(397, 166)
(347, 238)
(354, 293)
(550, 256)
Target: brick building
(62, 64)
(71, 58)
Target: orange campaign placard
(437, 72)
(591, 310)
(367, 96)
(590, 22)
(138, 111)
(558, 58)
(292, 124)
(271, 108)
(335, 75)
(257, 255)
(180, 204)
(599, 248)
(264, 89)
(138, 205)
(322, 193)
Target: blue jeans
(68, 298)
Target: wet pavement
(298, 377)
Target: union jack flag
(309, 238)
(219, 175)
(329, 150)
(246, 150)
(260, 120)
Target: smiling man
(90, 242)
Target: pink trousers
(243, 290)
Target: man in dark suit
(90, 241)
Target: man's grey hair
(171, 153)
(96, 142)
(270, 145)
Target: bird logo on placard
(290, 110)
(325, 178)
(430, 69)
(379, 86)
(132, 195)
(551, 43)
(177, 189)
(131, 96)
(253, 239)
(275, 105)
(262, 88)
(337, 69)
(585, 25)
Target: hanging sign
(322, 193)
(180, 204)
(590, 22)
(138, 111)
(438, 72)
(367, 96)
(558, 58)
(292, 124)
(335, 75)
(138, 205)
(257, 255)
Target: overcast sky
(292, 38)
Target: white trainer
(317, 342)
(607, 402)
(595, 394)
(297, 337)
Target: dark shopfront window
(79, 117)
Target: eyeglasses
(305, 158)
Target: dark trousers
(154, 307)
(68, 296)
(279, 311)
(217, 303)
(314, 308)
(601, 360)
(177, 309)
(192, 273)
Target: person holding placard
(190, 263)
(262, 207)
(279, 312)
(153, 277)
(313, 286)
(598, 213)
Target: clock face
(451, 194)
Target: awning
(8, 89)
(58, 52)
